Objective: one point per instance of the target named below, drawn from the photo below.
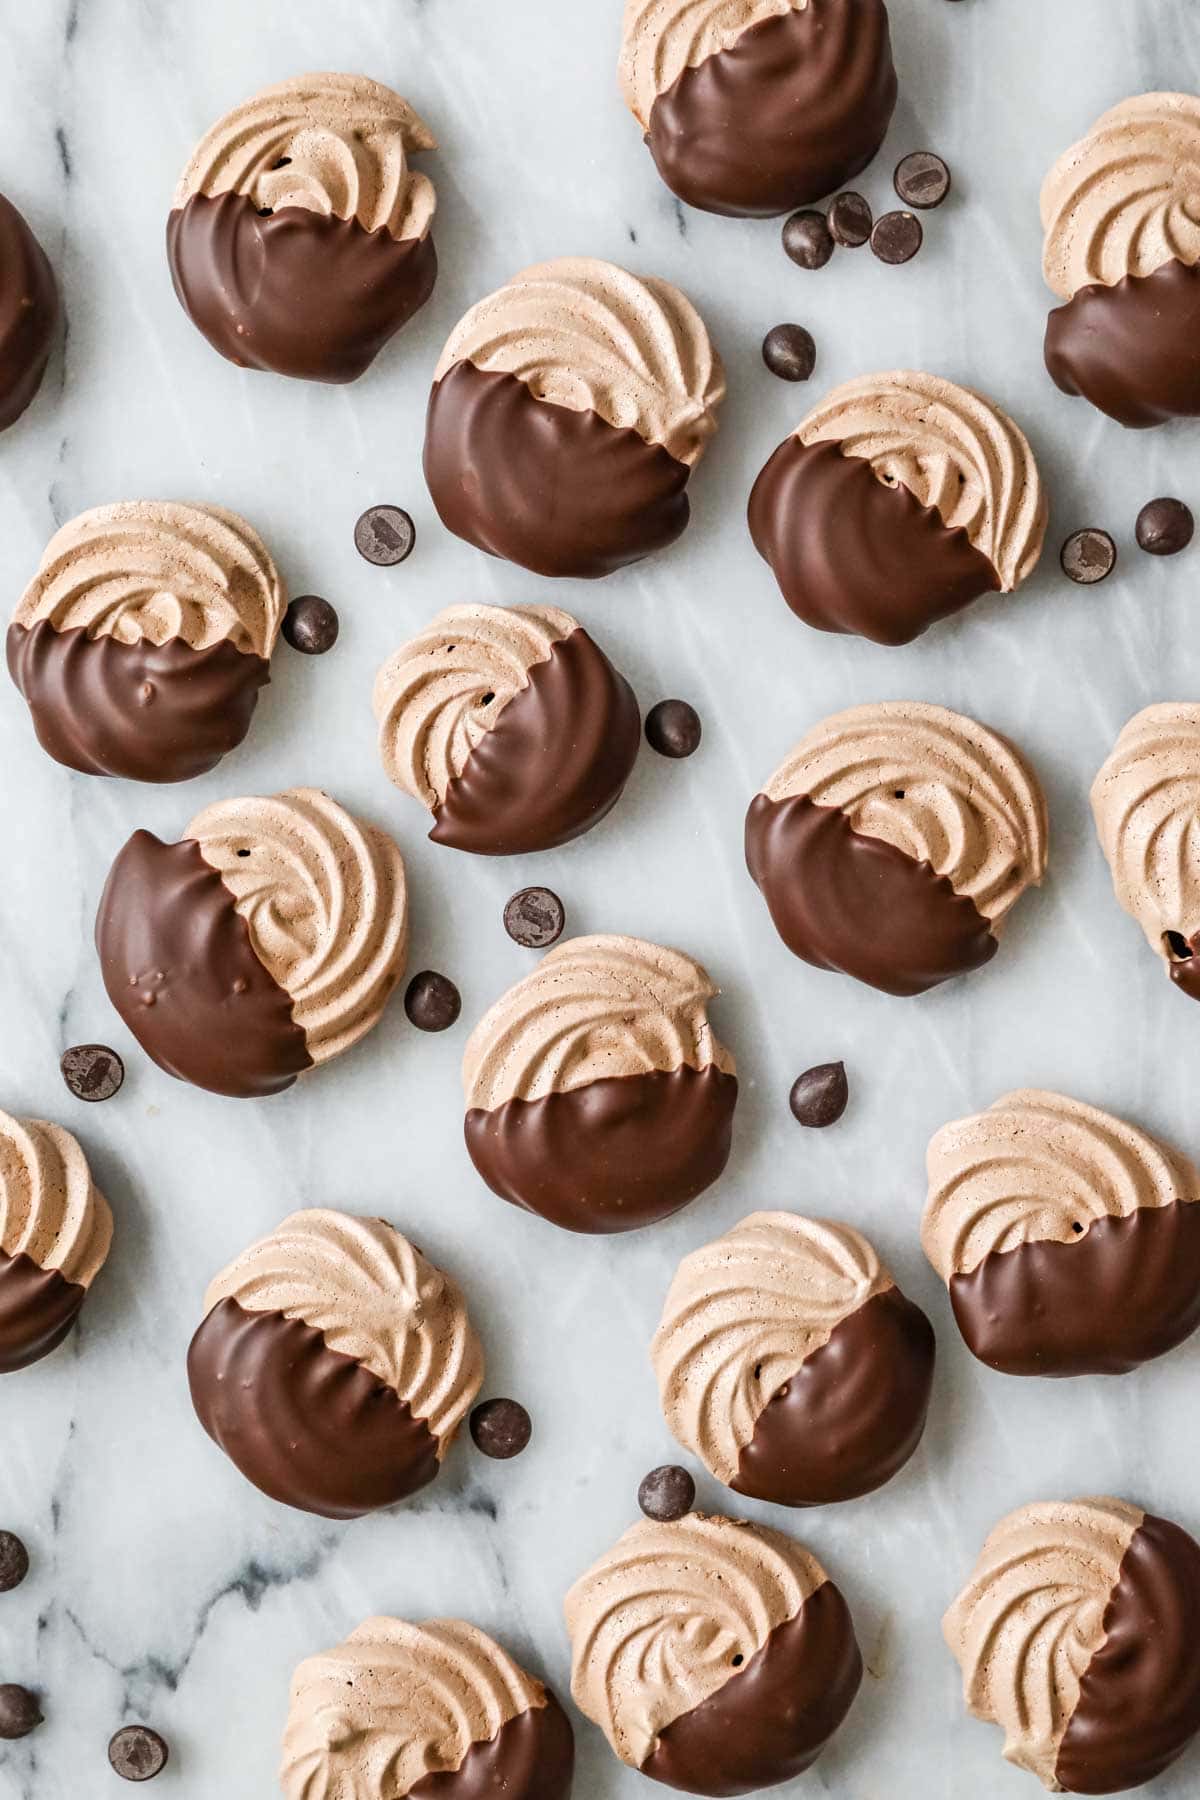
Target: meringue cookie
(55, 1234)
(29, 314)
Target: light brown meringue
(50, 1208)
(662, 38)
(1146, 804)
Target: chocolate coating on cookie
(29, 312)
(55, 1233)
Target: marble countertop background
(164, 1588)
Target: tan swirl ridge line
(935, 784)
(50, 1208)
(333, 144)
(1029, 1621)
(397, 1702)
(373, 1297)
(325, 901)
(440, 694)
(657, 1622)
(952, 449)
(594, 1008)
(155, 570)
(589, 336)
(1125, 199)
(1146, 804)
(743, 1314)
(662, 38)
(1038, 1167)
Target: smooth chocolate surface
(1185, 971)
(37, 1310)
(559, 492)
(1139, 1699)
(307, 1425)
(611, 1156)
(841, 900)
(295, 291)
(179, 966)
(1125, 1290)
(851, 1415)
(772, 1718)
(1133, 350)
(555, 762)
(149, 712)
(29, 309)
(793, 109)
(532, 1757)
(852, 554)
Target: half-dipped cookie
(791, 1364)
(753, 107)
(29, 312)
(896, 502)
(894, 841)
(510, 724)
(299, 235)
(1121, 214)
(55, 1233)
(716, 1656)
(568, 411)
(598, 1094)
(1077, 1635)
(334, 1365)
(142, 642)
(265, 942)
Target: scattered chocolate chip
(1088, 556)
(850, 220)
(819, 1096)
(501, 1428)
(789, 352)
(673, 729)
(137, 1753)
(385, 535)
(1165, 527)
(310, 625)
(922, 179)
(534, 918)
(897, 237)
(19, 1711)
(432, 1001)
(808, 240)
(92, 1071)
(14, 1561)
(667, 1493)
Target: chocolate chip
(673, 729)
(19, 1711)
(808, 240)
(897, 237)
(310, 625)
(789, 352)
(819, 1096)
(922, 179)
(92, 1071)
(385, 535)
(1088, 556)
(501, 1428)
(534, 918)
(432, 1001)
(137, 1753)
(667, 1493)
(850, 220)
(1165, 527)
(14, 1561)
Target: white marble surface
(164, 1587)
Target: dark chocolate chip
(1088, 556)
(897, 237)
(385, 535)
(92, 1071)
(667, 1493)
(808, 240)
(310, 625)
(432, 1001)
(850, 220)
(534, 918)
(789, 352)
(501, 1428)
(14, 1561)
(1165, 527)
(922, 179)
(673, 729)
(19, 1711)
(137, 1753)
(819, 1096)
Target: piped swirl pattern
(50, 1208)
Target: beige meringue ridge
(662, 38)
(1146, 804)
(50, 1208)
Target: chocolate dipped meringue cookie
(29, 314)
(510, 724)
(894, 841)
(717, 1657)
(265, 942)
(1069, 1240)
(568, 411)
(791, 1364)
(141, 643)
(1076, 1634)
(334, 1365)
(1121, 214)
(754, 107)
(437, 1711)
(299, 235)
(895, 503)
(598, 1095)
(55, 1234)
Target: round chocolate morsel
(136, 1753)
(14, 1561)
(385, 536)
(922, 179)
(310, 625)
(667, 1493)
(850, 220)
(820, 1096)
(432, 1001)
(897, 236)
(673, 729)
(790, 352)
(92, 1071)
(534, 918)
(29, 313)
(1088, 556)
(20, 1712)
(55, 1235)
(1165, 527)
(807, 240)
(501, 1429)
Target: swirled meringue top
(325, 900)
(444, 690)
(155, 570)
(743, 1313)
(595, 1007)
(373, 1297)
(1029, 1621)
(395, 1703)
(953, 450)
(662, 38)
(1146, 804)
(1125, 200)
(50, 1208)
(334, 144)
(1039, 1168)
(589, 336)
(657, 1622)
(936, 785)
